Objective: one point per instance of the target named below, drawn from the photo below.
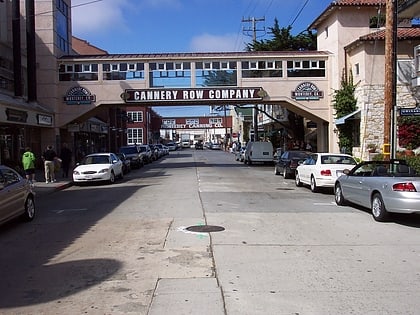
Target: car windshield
(129, 150)
(298, 155)
(96, 159)
(142, 149)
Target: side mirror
(346, 171)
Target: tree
(344, 103)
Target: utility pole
(391, 39)
(254, 31)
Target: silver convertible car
(382, 186)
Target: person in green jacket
(28, 162)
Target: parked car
(126, 163)
(322, 169)
(382, 186)
(17, 198)
(163, 149)
(287, 163)
(132, 153)
(146, 153)
(215, 146)
(199, 145)
(98, 167)
(172, 146)
(258, 152)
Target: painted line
(324, 203)
(68, 210)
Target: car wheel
(378, 208)
(297, 180)
(29, 213)
(112, 178)
(338, 195)
(285, 174)
(276, 171)
(314, 188)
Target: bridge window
(134, 136)
(135, 116)
(262, 69)
(216, 73)
(123, 71)
(170, 74)
(305, 68)
(78, 72)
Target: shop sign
(191, 126)
(16, 115)
(79, 96)
(45, 120)
(307, 91)
(192, 95)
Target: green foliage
(412, 161)
(344, 103)
(283, 40)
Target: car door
(306, 169)
(12, 193)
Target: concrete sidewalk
(41, 187)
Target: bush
(413, 161)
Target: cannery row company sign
(191, 126)
(192, 95)
(79, 96)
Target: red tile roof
(403, 33)
(83, 47)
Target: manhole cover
(205, 228)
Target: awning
(351, 116)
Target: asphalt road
(127, 248)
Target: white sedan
(98, 167)
(322, 169)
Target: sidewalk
(41, 187)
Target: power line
(253, 28)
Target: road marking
(332, 203)
(68, 210)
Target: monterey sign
(192, 95)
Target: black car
(199, 145)
(126, 163)
(286, 163)
(132, 153)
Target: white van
(258, 152)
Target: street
(128, 248)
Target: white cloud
(97, 17)
(217, 43)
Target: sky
(172, 26)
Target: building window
(261, 69)
(326, 32)
(62, 26)
(215, 121)
(78, 72)
(305, 68)
(192, 121)
(134, 136)
(123, 71)
(135, 116)
(356, 69)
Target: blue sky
(165, 26)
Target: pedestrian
(49, 157)
(65, 157)
(28, 162)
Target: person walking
(65, 157)
(28, 163)
(49, 157)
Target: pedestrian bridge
(296, 81)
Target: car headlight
(76, 172)
(104, 170)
